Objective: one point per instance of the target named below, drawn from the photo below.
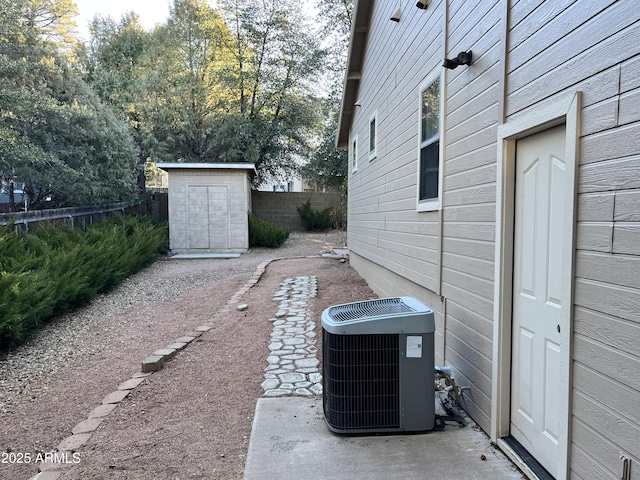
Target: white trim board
(565, 110)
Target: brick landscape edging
(82, 432)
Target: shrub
(265, 234)
(313, 219)
(52, 270)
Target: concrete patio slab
(290, 439)
(187, 256)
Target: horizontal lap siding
(554, 49)
(384, 226)
(566, 46)
(472, 98)
(607, 292)
(580, 34)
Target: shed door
(537, 298)
(208, 221)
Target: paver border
(82, 432)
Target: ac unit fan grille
(362, 386)
(368, 308)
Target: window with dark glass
(430, 143)
(372, 137)
(354, 154)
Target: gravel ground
(193, 418)
(23, 370)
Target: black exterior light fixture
(398, 13)
(423, 4)
(463, 58)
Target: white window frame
(431, 204)
(353, 150)
(373, 149)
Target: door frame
(563, 110)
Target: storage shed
(208, 206)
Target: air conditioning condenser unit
(378, 366)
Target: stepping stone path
(292, 364)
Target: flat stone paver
(131, 383)
(116, 397)
(102, 410)
(185, 339)
(74, 442)
(87, 426)
(51, 475)
(165, 352)
(292, 366)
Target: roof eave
(208, 166)
(357, 45)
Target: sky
(151, 12)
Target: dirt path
(192, 419)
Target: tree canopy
(235, 83)
(327, 166)
(56, 138)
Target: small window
(372, 137)
(354, 153)
(429, 159)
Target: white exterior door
(537, 299)
(208, 217)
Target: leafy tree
(328, 166)
(335, 17)
(273, 112)
(111, 64)
(18, 96)
(111, 60)
(193, 36)
(56, 137)
(163, 82)
(234, 84)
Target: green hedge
(265, 234)
(52, 270)
(313, 219)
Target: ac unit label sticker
(414, 346)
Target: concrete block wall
(280, 207)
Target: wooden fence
(75, 217)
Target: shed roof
(206, 166)
(353, 74)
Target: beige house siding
(527, 56)
(384, 226)
(472, 117)
(555, 48)
(388, 284)
(448, 252)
